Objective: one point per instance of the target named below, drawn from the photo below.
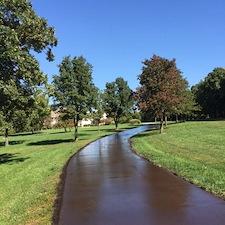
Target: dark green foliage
(210, 94)
(39, 112)
(118, 99)
(129, 116)
(136, 115)
(65, 122)
(188, 108)
(74, 89)
(125, 118)
(22, 31)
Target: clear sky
(117, 35)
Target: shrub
(135, 121)
(136, 115)
(125, 119)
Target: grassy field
(29, 172)
(193, 150)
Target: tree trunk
(161, 125)
(155, 119)
(165, 121)
(98, 127)
(75, 121)
(6, 137)
(65, 129)
(116, 123)
(76, 132)
(177, 118)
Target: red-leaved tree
(162, 87)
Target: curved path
(106, 184)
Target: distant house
(54, 118)
(88, 122)
(85, 122)
(104, 116)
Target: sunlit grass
(193, 150)
(29, 172)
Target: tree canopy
(210, 94)
(74, 89)
(22, 33)
(162, 87)
(118, 99)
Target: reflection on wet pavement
(107, 184)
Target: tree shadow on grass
(70, 133)
(8, 158)
(60, 132)
(26, 134)
(12, 143)
(50, 142)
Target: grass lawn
(29, 172)
(193, 150)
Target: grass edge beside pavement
(193, 151)
(30, 171)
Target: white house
(85, 122)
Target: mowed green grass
(30, 169)
(193, 150)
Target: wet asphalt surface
(107, 184)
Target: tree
(162, 87)
(188, 107)
(64, 121)
(22, 32)
(39, 111)
(118, 99)
(31, 119)
(98, 111)
(74, 89)
(210, 94)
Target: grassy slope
(193, 150)
(30, 170)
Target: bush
(135, 122)
(125, 119)
(136, 115)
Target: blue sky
(116, 36)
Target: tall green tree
(188, 107)
(32, 118)
(22, 32)
(39, 111)
(162, 87)
(74, 89)
(118, 99)
(210, 94)
(98, 111)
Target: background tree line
(210, 95)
